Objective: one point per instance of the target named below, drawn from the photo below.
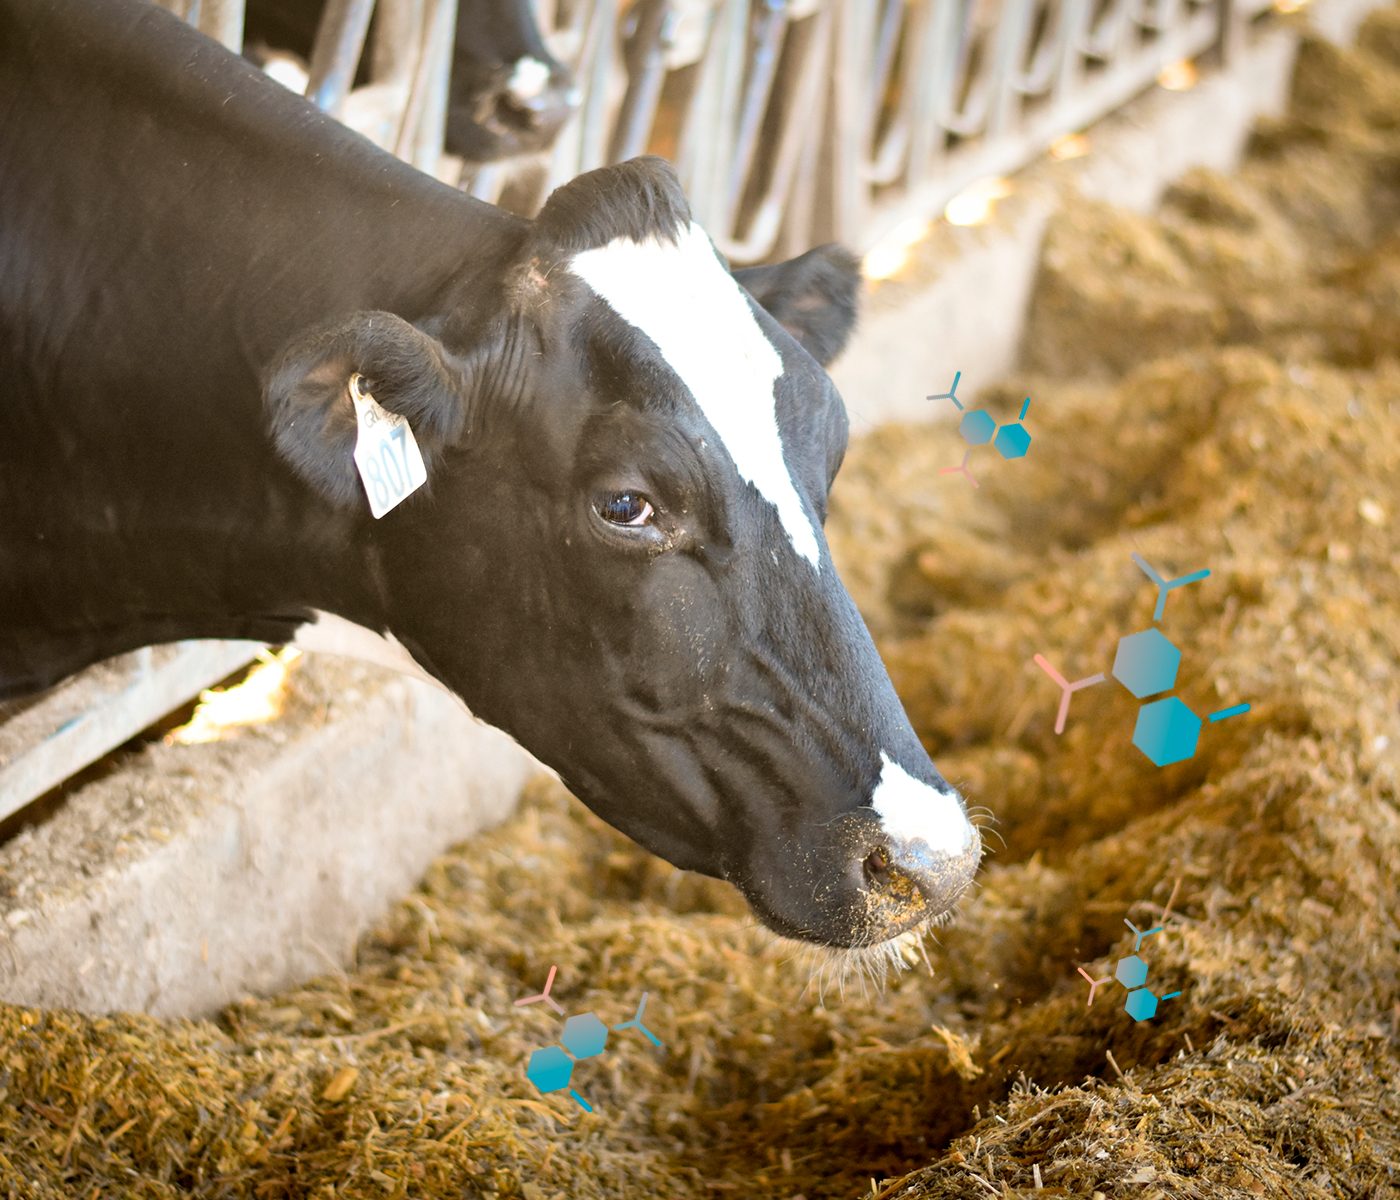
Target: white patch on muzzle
(699, 318)
(910, 809)
(528, 79)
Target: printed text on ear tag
(386, 453)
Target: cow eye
(625, 508)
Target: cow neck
(169, 227)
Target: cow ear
(812, 296)
(307, 395)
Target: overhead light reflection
(1071, 145)
(1179, 77)
(889, 255)
(254, 701)
(974, 203)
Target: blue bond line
(1138, 935)
(1164, 586)
(636, 1023)
(1229, 712)
(951, 393)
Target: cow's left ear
(812, 296)
(311, 415)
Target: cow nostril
(877, 866)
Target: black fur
(308, 398)
(814, 297)
(636, 199)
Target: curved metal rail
(789, 121)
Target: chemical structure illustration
(978, 428)
(1142, 1003)
(1146, 663)
(551, 1068)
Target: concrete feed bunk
(1217, 386)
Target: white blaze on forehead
(912, 809)
(699, 318)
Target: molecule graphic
(977, 428)
(1146, 663)
(1131, 972)
(551, 1068)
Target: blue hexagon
(1167, 731)
(1013, 440)
(977, 427)
(584, 1035)
(1146, 663)
(1132, 972)
(1141, 1005)
(550, 1069)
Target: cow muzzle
(908, 883)
(858, 882)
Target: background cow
(508, 95)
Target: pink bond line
(961, 468)
(1093, 984)
(546, 997)
(1067, 689)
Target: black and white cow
(507, 94)
(618, 557)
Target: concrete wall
(193, 874)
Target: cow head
(507, 94)
(619, 557)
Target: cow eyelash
(628, 509)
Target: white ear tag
(386, 452)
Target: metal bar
(646, 68)
(1040, 74)
(1099, 95)
(592, 121)
(222, 20)
(707, 145)
(427, 93)
(336, 53)
(431, 124)
(393, 53)
(768, 218)
(937, 51)
(767, 43)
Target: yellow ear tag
(386, 453)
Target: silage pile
(1216, 387)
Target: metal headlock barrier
(790, 122)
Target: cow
(618, 557)
(507, 95)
